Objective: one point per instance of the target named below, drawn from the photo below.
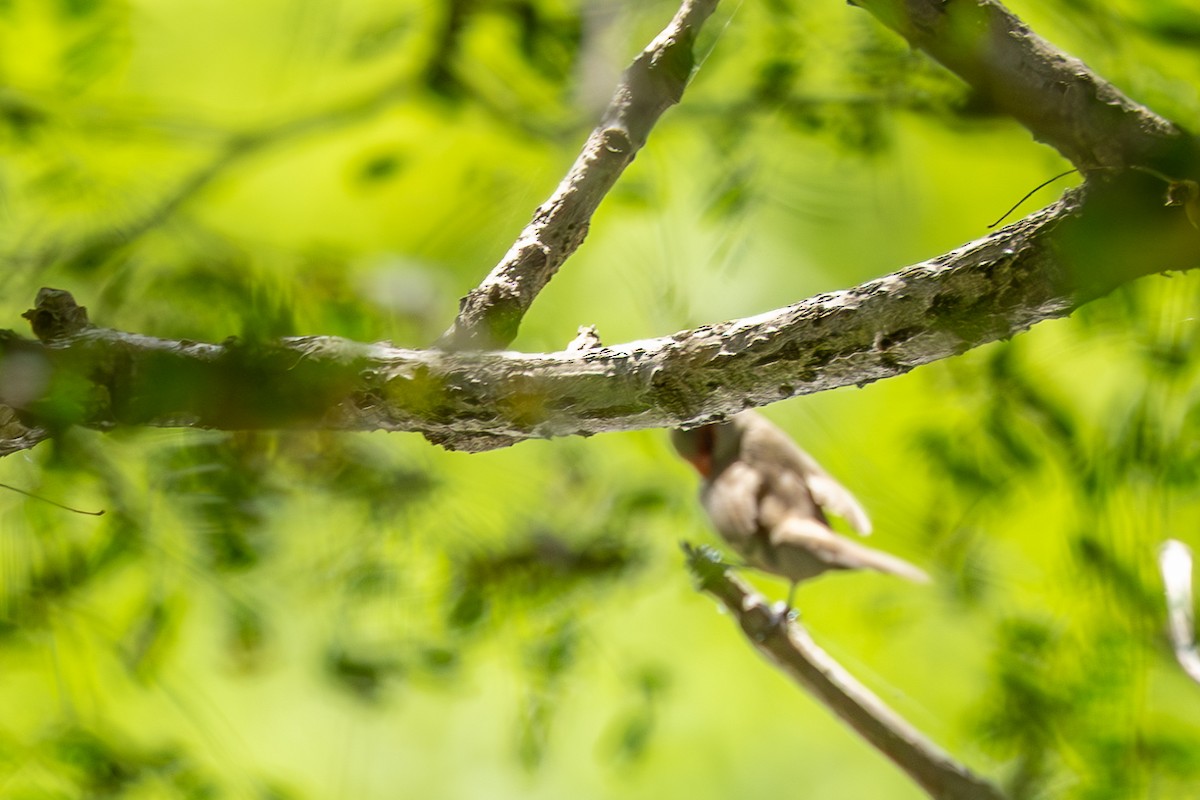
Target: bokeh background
(310, 615)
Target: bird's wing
(732, 500)
(831, 495)
(765, 443)
(812, 536)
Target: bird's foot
(782, 613)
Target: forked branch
(490, 315)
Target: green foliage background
(306, 615)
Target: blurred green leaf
(306, 614)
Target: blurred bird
(767, 498)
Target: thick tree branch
(491, 314)
(1054, 95)
(1037, 269)
(1115, 230)
(792, 649)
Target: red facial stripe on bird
(702, 462)
(702, 459)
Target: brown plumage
(767, 498)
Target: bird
(767, 499)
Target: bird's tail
(806, 548)
(885, 562)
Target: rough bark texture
(1113, 231)
(491, 314)
(1037, 269)
(792, 650)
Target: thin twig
(1030, 194)
(491, 314)
(54, 503)
(793, 650)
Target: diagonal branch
(793, 650)
(1056, 96)
(491, 314)
(1040, 268)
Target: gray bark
(1041, 268)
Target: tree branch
(793, 650)
(491, 314)
(1037, 269)
(1111, 231)
(1056, 96)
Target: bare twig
(1056, 96)
(1175, 562)
(490, 315)
(793, 650)
(54, 503)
